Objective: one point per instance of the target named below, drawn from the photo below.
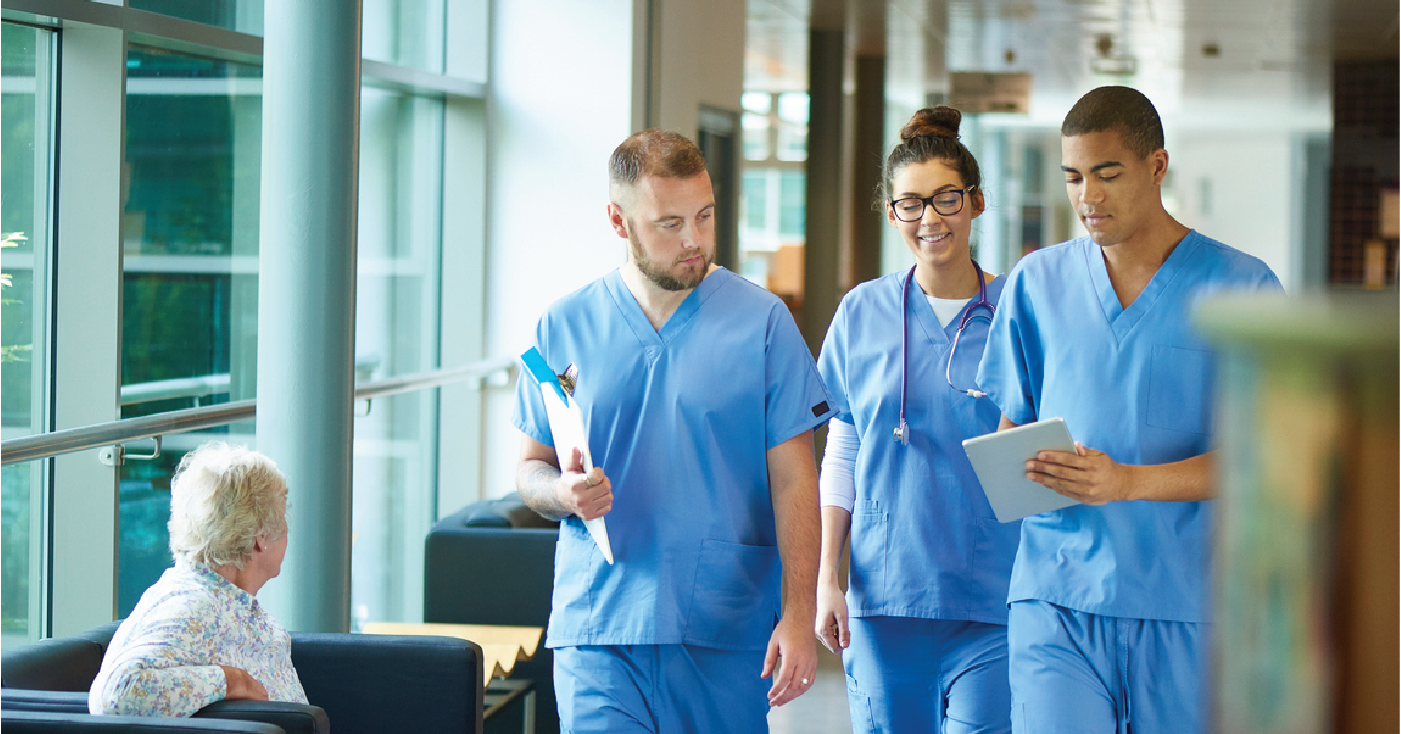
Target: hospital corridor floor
(821, 710)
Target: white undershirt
(947, 309)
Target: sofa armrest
(293, 718)
(381, 683)
(59, 664)
(25, 699)
(48, 722)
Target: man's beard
(660, 276)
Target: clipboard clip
(539, 369)
(569, 379)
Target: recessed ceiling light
(1104, 43)
(1116, 66)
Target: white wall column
(570, 82)
(306, 297)
(87, 327)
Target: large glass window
(190, 260)
(26, 137)
(396, 333)
(772, 229)
(773, 204)
(244, 16)
(190, 149)
(792, 128)
(404, 33)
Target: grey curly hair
(221, 499)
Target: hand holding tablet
(999, 459)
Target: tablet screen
(999, 459)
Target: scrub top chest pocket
(1180, 389)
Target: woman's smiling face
(935, 239)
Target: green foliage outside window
(12, 352)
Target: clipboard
(999, 459)
(567, 426)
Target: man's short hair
(652, 152)
(1117, 109)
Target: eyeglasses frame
(928, 202)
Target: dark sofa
(365, 683)
(493, 562)
(47, 722)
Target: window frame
(76, 569)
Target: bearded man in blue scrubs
(699, 396)
(1107, 621)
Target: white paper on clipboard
(567, 426)
(999, 459)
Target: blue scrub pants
(927, 675)
(623, 689)
(1081, 673)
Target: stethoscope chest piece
(902, 433)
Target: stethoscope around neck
(902, 431)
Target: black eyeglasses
(945, 203)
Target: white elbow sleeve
(837, 483)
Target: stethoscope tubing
(902, 431)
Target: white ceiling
(1273, 58)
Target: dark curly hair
(1118, 109)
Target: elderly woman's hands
(241, 686)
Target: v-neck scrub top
(924, 541)
(681, 420)
(1135, 383)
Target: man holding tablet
(1107, 598)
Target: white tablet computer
(999, 459)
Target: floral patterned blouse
(164, 659)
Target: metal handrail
(179, 387)
(68, 440)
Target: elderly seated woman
(198, 635)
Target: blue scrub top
(680, 420)
(1135, 383)
(924, 541)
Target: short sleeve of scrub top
(530, 417)
(796, 400)
(832, 364)
(1011, 367)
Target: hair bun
(932, 122)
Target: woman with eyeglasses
(922, 628)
